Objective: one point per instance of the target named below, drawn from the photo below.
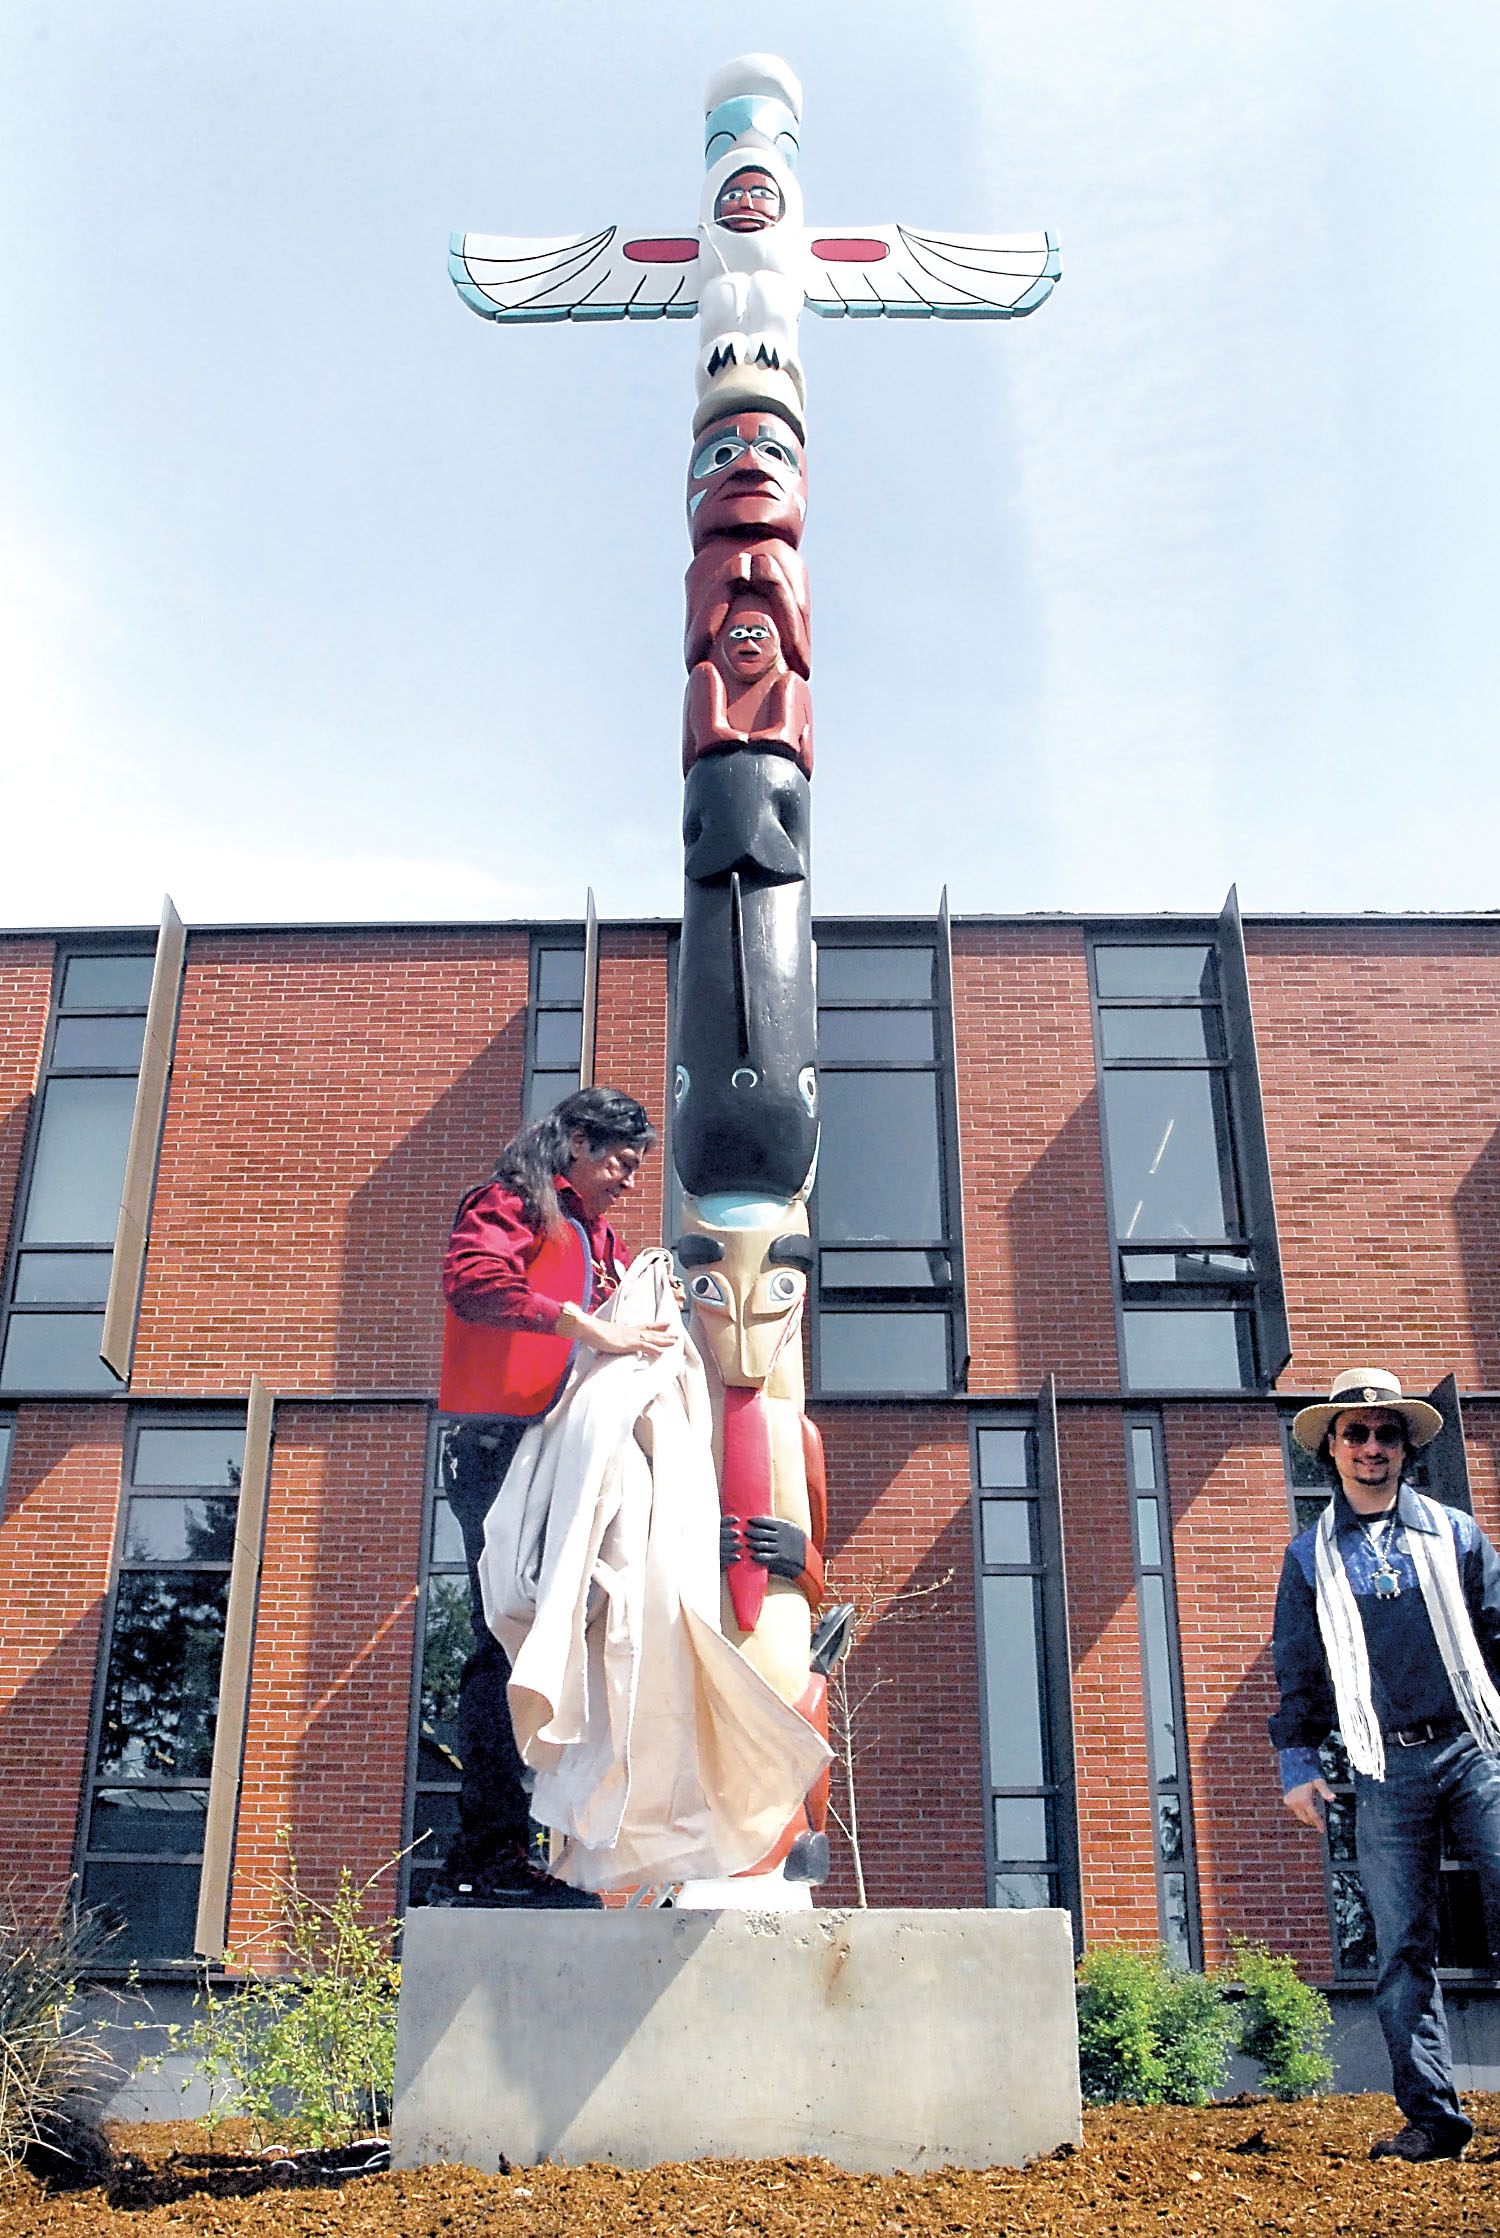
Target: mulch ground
(1248, 2166)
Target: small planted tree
(874, 1600)
(303, 2045)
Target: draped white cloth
(660, 1753)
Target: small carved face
(750, 644)
(748, 202)
(748, 471)
(746, 1299)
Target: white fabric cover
(659, 1752)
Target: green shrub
(304, 2045)
(48, 2058)
(1150, 2034)
(1284, 2023)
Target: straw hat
(1366, 1387)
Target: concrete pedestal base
(878, 2040)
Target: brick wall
(1036, 1232)
(25, 997)
(630, 1052)
(1259, 1874)
(1109, 1720)
(325, 1743)
(332, 1096)
(1380, 1070)
(898, 1518)
(56, 1544)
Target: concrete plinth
(879, 2040)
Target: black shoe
(1419, 2144)
(516, 1883)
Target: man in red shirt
(574, 1165)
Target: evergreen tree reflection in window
(148, 1801)
(1463, 1944)
(59, 1276)
(444, 1645)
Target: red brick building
(1098, 1205)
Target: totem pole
(745, 1118)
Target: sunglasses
(1387, 1433)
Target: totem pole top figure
(753, 263)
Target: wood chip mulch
(1245, 2167)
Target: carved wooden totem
(745, 1120)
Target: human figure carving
(768, 565)
(744, 694)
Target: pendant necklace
(1387, 1583)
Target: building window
(1462, 1942)
(1032, 1834)
(554, 1022)
(58, 1277)
(1161, 1679)
(7, 1445)
(889, 1283)
(445, 1641)
(1197, 1267)
(147, 1803)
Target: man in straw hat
(1388, 1628)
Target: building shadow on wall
(1476, 1216)
(1061, 1307)
(912, 1684)
(42, 1778)
(390, 1318)
(1265, 1873)
(866, 1450)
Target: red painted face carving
(751, 643)
(748, 202)
(748, 472)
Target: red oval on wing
(848, 252)
(662, 252)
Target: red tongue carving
(745, 1490)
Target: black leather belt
(1436, 1729)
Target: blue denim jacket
(1407, 1678)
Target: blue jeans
(1399, 1821)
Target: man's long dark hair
(609, 1119)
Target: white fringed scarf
(1436, 1563)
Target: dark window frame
(1251, 1293)
(20, 1246)
(942, 1299)
(418, 1864)
(572, 940)
(1054, 1662)
(1181, 1784)
(144, 1417)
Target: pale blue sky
(320, 597)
